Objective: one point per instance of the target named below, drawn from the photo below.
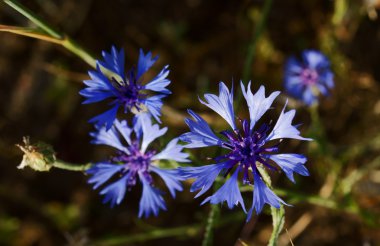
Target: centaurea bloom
(134, 163)
(125, 89)
(247, 147)
(309, 77)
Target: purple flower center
(130, 94)
(135, 162)
(309, 76)
(246, 148)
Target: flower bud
(39, 156)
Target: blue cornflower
(309, 77)
(133, 162)
(125, 89)
(248, 147)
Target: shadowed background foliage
(204, 42)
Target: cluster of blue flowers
(133, 161)
(249, 145)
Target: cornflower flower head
(125, 89)
(307, 78)
(248, 145)
(135, 163)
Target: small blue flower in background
(247, 147)
(134, 162)
(305, 79)
(125, 89)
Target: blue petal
(292, 81)
(171, 178)
(284, 127)
(123, 128)
(308, 96)
(261, 195)
(137, 123)
(204, 176)
(200, 134)
(107, 118)
(151, 200)
(98, 88)
(173, 151)
(294, 86)
(328, 78)
(102, 172)
(290, 163)
(315, 59)
(98, 80)
(107, 137)
(114, 61)
(322, 88)
(149, 133)
(293, 66)
(115, 192)
(258, 104)
(94, 95)
(160, 82)
(222, 104)
(229, 192)
(144, 63)
(154, 105)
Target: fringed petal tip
(204, 176)
(151, 201)
(200, 134)
(222, 104)
(114, 193)
(262, 195)
(229, 193)
(105, 119)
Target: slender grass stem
(208, 236)
(33, 18)
(79, 51)
(54, 36)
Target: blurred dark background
(204, 42)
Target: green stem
(208, 236)
(70, 167)
(314, 114)
(278, 216)
(33, 18)
(57, 37)
(79, 51)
